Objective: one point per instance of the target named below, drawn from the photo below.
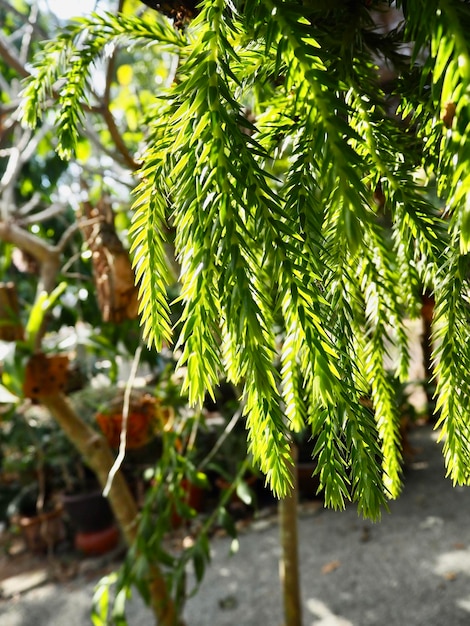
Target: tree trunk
(427, 314)
(289, 565)
(97, 454)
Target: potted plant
(27, 465)
(145, 417)
(41, 525)
(91, 519)
(59, 491)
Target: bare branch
(31, 147)
(19, 155)
(11, 9)
(30, 205)
(125, 414)
(28, 35)
(11, 58)
(12, 169)
(51, 211)
(37, 247)
(108, 116)
(117, 157)
(118, 140)
(67, 236)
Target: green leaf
(44, 302)
(244, 492)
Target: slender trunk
(427, 314)
(97, 454)
(289, 565)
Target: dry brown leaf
(330, 567)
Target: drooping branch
(103, 109)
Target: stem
(118, 140)
(427, 313)
(125, 415)
(289, 564)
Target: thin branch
(29, 206)
(14, 163)
(114, 170)
(106, 99)
(93, 136)
(11, 59)
(11, 9)
(31, 147)
(28, 35)
(37, 247)
(66, 237)
(118, 140)
(108, 116)
(20, 154)
(228, 429)
(125, 414)
(70, 232)
(51, 211)
(74, 275)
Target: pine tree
(310, 203)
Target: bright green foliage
(266, 156)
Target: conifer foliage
(312, 202)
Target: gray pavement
(410, 569)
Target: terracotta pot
(45, 375)
(98, 542)
(43, 531)
(138, 428)
(147, 417)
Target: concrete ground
(410, 569)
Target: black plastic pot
(88, 512)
